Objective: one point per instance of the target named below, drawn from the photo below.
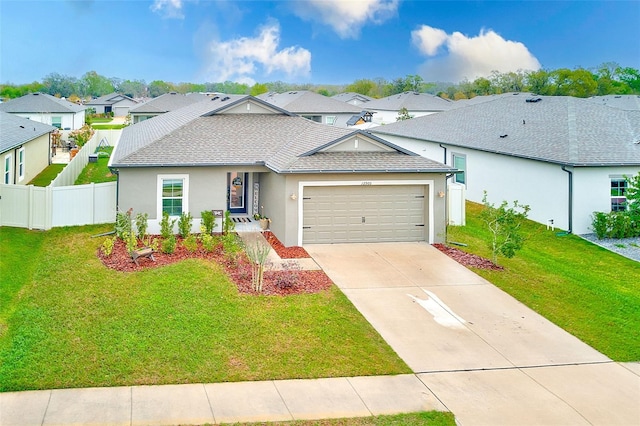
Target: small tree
(505, 227)
(403, 114)
(257, 249)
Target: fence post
(48, 206)
(30, 207)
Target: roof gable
(305, 102)
(15, 131)
(40, 103)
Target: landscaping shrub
(184, 224)
(166, 225)
(169, 244)
(290, 277)
(190, 243)
(208, 221)
(107, 245)
(123, 224)
(142, 224)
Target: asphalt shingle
(15, 131)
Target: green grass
(108, 126)
(587, 290)
(431, 418)
(101, 119)
(97, 172)
(67, 321)
(46, 176)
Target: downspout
(564, 168)
(445, 153)
(117, 173)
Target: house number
(365, 183)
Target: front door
(237, 192)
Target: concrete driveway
(487, 357)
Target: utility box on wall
(455, 204)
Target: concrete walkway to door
(487, 357)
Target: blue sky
(314, 41)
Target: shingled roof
(168, 102)
(40, 103)
(305, 102)
(413, 101)
(556, 129)
(200, 135)
(15, 131)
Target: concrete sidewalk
(278, 400)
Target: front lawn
(68, 321)
(589, 291)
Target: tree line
(606, 79)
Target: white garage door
(339, 214)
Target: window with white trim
(172, 194)
(460, 162)
(56, 121)
(21, 164)
(330, 120)
(618, 198)
(6, 170)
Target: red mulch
(238, 269)
(468, 259)
(294, 252)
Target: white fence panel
(24, 206)
(456, 200)
(78, 205)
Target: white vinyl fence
(62, 203)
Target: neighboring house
(313, 106)
(114, 103)
(360, 120)
(47, 109)
(25, 148)
(162, 104)
(565, 157)
(317, 184)
(352, 98)
(417, 104)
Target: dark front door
(237, 192)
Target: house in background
(47, 109)
(313, 106)
(565, 157)
(25, 148)
(352, 98)
(162, 104)
(116, 103)
(317, 183)
(417, 105)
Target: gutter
(564, 169)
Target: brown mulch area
(238, 268)
(468, 259)
(294, 252)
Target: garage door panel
(391, 213)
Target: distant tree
(538, 82)
(363, 87)
(631, 77)
(459, 95)
(258, 89)
(61, 85)
(133, 89)
(159, 87)
(403, 114)
(579, 83)
(95, 85)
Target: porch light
(293, 196)
(441, 194)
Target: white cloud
(241, 58)
(469, 57)
(346, 17)
(168, 8)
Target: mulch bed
(468, 259)
(294, 252)
(238, 268)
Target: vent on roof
(173, 93)
(617, 96)
(533, 99)
(503, 136)
(215, 97)
(226, 98)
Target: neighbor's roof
(628, 102)
(285, 143)
(412, 101)
(349, 96)
(305, 102)
(15, 131)
(110, 99)
(557, 129)
(40, 103)
(168, 102)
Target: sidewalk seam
(273, 382)
(359, 397)
(209, 402)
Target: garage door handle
(420, 225)
(306, 227)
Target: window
(316, 118)
(330, 119)
(57, 122)
(173, 191)
(618, 198)
(6, 171)
(21, 164)
(460, 163)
